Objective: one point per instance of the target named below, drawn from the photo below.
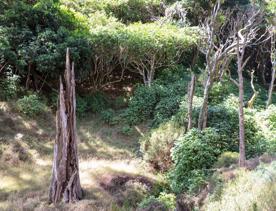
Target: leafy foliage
(156, 146)
(9, 86)
(168, 200)
(226, 159)
(31, 105)
(193, 154)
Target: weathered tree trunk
(241, 120)
(65, 181)
(202, 120)
(241, 65)
(273, 61)
(190, 101)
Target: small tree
(65, 181)
(220, 47)
(246, 26)
(217, 50)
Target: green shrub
(159, 102)
(156, 146)
(109, 117)
(148, 202)
(95, 103)
(218, 93)
(272, 117)
(127, 130)
(226, 120)
(9, 86)
(119, 102)
(31, 105)
(195, 151)
(143, 102)
(165, 109)
(196, 180)
(134, 10)
(166, 201)
(226, 159)
(265, 120)
(81, 106)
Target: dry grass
(104, 153)
(250, 190)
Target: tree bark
(65, 182)
(203, 115)
(190, 101)
(273, 62)
(241, 119)
(241, 64)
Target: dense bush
(218, 92)
(266, 122)
(109, 117)
(125, 10)
(226, 159)
(31, 105)
(81, 106)
(156, 146)
(164, 200)
(126, 130)
(193, 154)
(9, 86)
(143, 102)
(94, 103)
(226, 120)
(158, 102)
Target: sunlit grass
(251, 190)
(103, 152)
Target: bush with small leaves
(156, 146)
(226, 159)
(127, 130)
(194, 152)
(142, 104)
(9, 86)
(81, 106)
(109, 117)
(31, 105)
(165, 201)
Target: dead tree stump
(65, 181)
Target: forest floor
(108, 160)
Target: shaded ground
(106, 157)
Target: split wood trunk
(65, 182)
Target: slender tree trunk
(273, 62)
(241, 121)
(28, 76)
(240, 55)
(203, 115)
(190, 101)
(65, 181)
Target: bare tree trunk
(65, 181)
(190, 101)
(273, 61)
(241, 119)
(241, 64)
(202, 120)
